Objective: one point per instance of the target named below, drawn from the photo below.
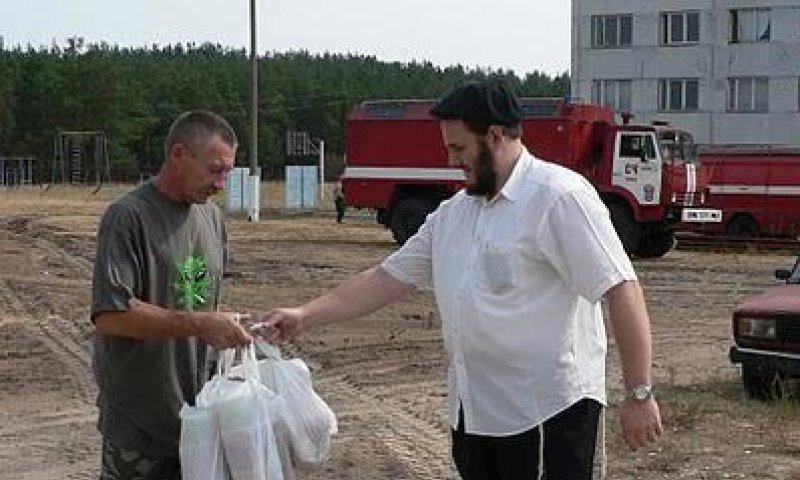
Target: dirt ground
(383, 375)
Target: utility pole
(255, 176)
(321, 170)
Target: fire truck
(757, 187)
(396, 164)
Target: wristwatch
(640, 393)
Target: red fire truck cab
(397, 165)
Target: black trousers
(340, 209)
(569, 444)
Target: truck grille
(685, 199)
(788, 330)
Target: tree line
(133, 94)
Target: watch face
(641, 392)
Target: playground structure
(16, 171)
(80, 157)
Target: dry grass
(59, 200)
(75, 211)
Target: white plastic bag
(200, 445)
(307, 419)
(245, 407)
(242, 408)
(274, 405)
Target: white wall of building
(712, 61)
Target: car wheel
(656, 245)
(743, 226)
(762, 383)
(628, 230)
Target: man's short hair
(196, 127)
(481, 104)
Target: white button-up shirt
(518, 282)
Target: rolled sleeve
(579, 239)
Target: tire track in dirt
(384, 390)
(74, 261)
(50, 420)
(37, 298)
(61, 337)
(51, 241)
(418, 444)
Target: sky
(519, 35)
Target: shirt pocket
(498, 262)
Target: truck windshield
(676, 145)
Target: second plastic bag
(307, 419)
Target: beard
(485, 176)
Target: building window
(678, 94)
(612, 30)
(612, 93)
(748, 94)
(751, 25)
(680, 27)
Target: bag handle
(225, 360)
(247, 368)
(267, 349)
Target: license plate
(701, 215)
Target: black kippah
(490, 102)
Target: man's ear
(179, 152)
(494, 135)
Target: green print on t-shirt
(194, 282)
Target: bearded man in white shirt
(518, 261)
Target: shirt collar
(513, 186)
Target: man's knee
(123, 464)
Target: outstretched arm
(360, 295)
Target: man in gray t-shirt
(161, 253)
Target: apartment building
(726, 70)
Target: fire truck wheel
(628, 230)
(408, 215)
(742, 226)
(656, 245)
(762, 383)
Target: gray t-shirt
(167, 254)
